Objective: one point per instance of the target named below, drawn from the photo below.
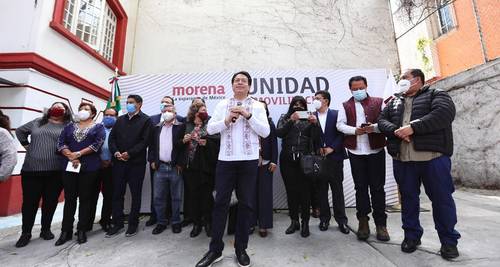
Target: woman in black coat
(201, 152)
(300, 134)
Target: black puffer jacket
(432, 113)
(298, 137)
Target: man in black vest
(417, 123)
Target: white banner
(275, 87)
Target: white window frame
(452, 18)
(101, 31)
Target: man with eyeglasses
(240, 120)
(418, 126)
(166, 103)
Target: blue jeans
(167, 182)
(438, 184)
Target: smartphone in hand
(303, 115)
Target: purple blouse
(76, 139)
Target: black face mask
(299, 109)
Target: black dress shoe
(151, 221)
(209, 258)
(196, 230)
(449, 252)
(343, 228)
(63, 238)
(176, 228)
(304, 232)
(46, 235)
(82, 237)
(294, 226)
(208, 229)
(131, 230)
(242, 257)
(24, 239)
(114, 230)
(263, 233)
(409, 245)
(159, 229)
(323, 226)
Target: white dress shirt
(233, 141)
(322, 119)
(362, 141)
(166, 146)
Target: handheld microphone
(234, 118)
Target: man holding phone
(365, 144)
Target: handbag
(312, 165)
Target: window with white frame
(93, 22)
(445, 16)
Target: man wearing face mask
(165, 155)
(104, 181)
(128, 142)
(365, 143)
(418, 126)
(166, 103)
(333, 149)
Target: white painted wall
(212, 35)
(27, 97)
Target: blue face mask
(108, 121)
(131, 108)
(359, 95)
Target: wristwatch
(249, 116)
(78, 154)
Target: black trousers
(368, 172)
(78, 186)
(132, 174)
(169, 199)
(298, 188)
(334, 182)
(315, 199)
(229, 175)
(104, 184)
(198, 195)
(46, 186)
(263, 216)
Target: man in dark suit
(167, 103)
(333, 149)
(166, 158)
(128, 142)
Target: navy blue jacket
(332, 137)
(177, 145)
(270, 144)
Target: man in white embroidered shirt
(240, 121)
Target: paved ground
(479, 221)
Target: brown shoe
(315, 213)
(382, 233)
(363, 229)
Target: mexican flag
(114, 99)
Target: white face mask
(167, 116)
(83, 115)
(403, 86)
(316, 104)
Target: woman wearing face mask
(80, 143)
(298, 133)
(201, 152)
(41, 171)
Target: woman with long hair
(80, 143)
(300, 133)
(41, 171)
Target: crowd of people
(201, 165)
